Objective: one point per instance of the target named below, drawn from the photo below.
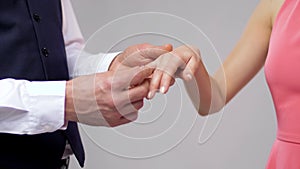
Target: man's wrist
(70, 114)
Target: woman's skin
(243, 63)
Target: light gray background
(247, 130)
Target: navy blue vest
(32, 48)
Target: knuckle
(106, 84)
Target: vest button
(36, 17)
(45, 52)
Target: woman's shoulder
(275, 7)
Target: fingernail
(163, 89)
(189, 76)
(168, 45)
(150, 95)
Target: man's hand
(107, 99)
(138, 55)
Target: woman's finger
(155, 83)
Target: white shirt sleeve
(79, 61)
(38, 107)
(31, 107)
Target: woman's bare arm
(243, 63)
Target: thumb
(153, 52)
(140, 74)
(166, 47)
(131, 77)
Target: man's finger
(166, 47)
(132, 95)
(139, 75)
(129, 118)
(143, 54)
(125, 119)
(130, 77)
(138, 92)
(152, 52)
(131, 107)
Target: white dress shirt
(32, 107)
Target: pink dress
(282, 69)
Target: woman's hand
(182, 62)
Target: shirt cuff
(47, 106)
(90, 64)
(106, 61)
